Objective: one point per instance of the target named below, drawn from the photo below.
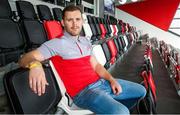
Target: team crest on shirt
(88, 48)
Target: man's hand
(116, 87)
(37, 80)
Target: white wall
(148, 28)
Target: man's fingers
(114, 90)
(39, 88)
(118, 91)
(34, 85)
(43, 87)
(30, 83)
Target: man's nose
(74, 22)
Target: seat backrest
(102, 28)
(34, 31)
(44, 13)
(57, 12)
(23, 100)
(86, 27)
(11, 39)
(99, 54)
(113, 50)
(107, 54)
(93, 28)
(96, 24)
(53, 28)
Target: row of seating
(171, 58)
(147, 75)
(111, 39)
(29, 33)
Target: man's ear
(62, 22)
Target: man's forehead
(73, 13)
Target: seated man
(89, 84)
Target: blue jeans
(99, 98)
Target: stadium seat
(23, 100)
(11, 38)
(34, 32)
(86, 27)
(53, 27)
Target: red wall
(156, 12)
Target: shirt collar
(73, 39)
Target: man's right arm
(30, 57)
(37, 79)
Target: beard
(74, 31)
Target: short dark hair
(70, 8)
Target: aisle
(168, 101)
(130, 66)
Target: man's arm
(30, 57)
(102, 72)
(37, 79)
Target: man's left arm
(103, 73)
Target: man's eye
(69, 20)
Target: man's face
(73, 22)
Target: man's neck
(73, 36)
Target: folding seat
(119, 28)
(107, 54)
(97, 48)
(99, 54)
(53, 28)
(148, 104)
(107, 25)
(34, 32)
(61, 2)
(124, 37)
(23, 100)
(171, 60)
(167, 55)
(98, 31)
(111, 46)
(65, 103)
(86, 27)
(94, 38)
(93, 29)
(130, 35)
(11, 38)
(57, 12)
(111, 26)
(102, 28)
(174, 67)
(116, 37)
(120, 39)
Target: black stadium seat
(34, 31)
(21, 97)
(44, 12)
(11, 39)
(57, 12)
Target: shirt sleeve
(48, 49)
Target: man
(89, 84)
